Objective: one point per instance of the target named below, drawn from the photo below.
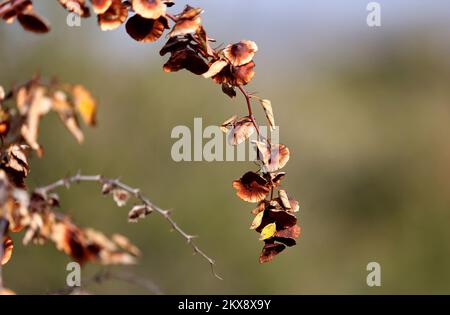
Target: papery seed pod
(121, 197)
(189, 21)
(240, 53)
(146, 30)
(113, 17)
(149, 9)
(251, 187)
(100, 6)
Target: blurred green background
(365, 112)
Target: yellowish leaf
(85, 104)
(257, 221)
(268, 231)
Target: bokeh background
(365, 112)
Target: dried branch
(115, 183)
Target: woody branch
(78, 178)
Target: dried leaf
(85, 104)
(228, 124)
(189, 21)
(77, 6)
(257, 220)
(8, 246)
(268, 231)
(284, 199)
(269, 251)
(267, 106)
(67, 114)
(215, 68)
(125, 244)
(274, 157)
(241, 131)
(288, 236)
(16, 159)
(32, 22)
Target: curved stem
(249, 108)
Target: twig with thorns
(135, 192)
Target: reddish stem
(249, 107)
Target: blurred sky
(365, 112)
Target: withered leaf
(284, 199)
(241, 131)
(126, 244)
(270, 250)
(32, 22)
(228, 124)
(257, 220)
(187, 24)
(85, 104)
(267, 106)
(67, 114)
(228, 90)
(274, 156)
(8, 246)
(77, 6)
(288, 236)
(215, 68)
(173, 44)
(16, 159)
(186, 59)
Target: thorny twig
(137, 194)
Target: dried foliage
(36, 213)
(190, 48)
